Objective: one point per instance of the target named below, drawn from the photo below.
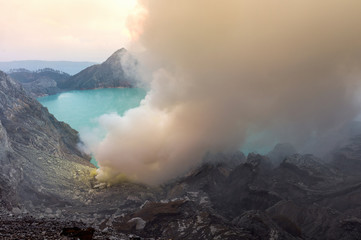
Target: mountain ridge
(109, 74)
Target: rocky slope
(302, 196)
(109, 74)
(39, 158)
(41, 82)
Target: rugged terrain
(48, 189)
(39, 155)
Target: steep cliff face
(109, 74)
(38, 154)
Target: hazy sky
(78, 30)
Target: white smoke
(285, 70)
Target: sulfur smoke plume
(288, 71)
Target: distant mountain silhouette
(33, 65)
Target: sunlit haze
(77, 30)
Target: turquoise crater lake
(81, 109)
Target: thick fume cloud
(285, 70)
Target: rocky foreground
(48, 189)
(237, 198)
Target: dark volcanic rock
(179, 219)
(302, 198)
(347, 229)
(309, 170)
(30, 228)
(246, 188)
(348, 158)
(262, 226)
(81, 234)
(313, 219)
(109, 74)
(280, 152)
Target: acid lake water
(81, 109)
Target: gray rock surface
(280, 152)
(110, 74)
(39, 154)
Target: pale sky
(75, 30)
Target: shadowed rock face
(39, 155)
(182, 219)
(303, 197)
(347, 158)
(280, 152)
(109, 74)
